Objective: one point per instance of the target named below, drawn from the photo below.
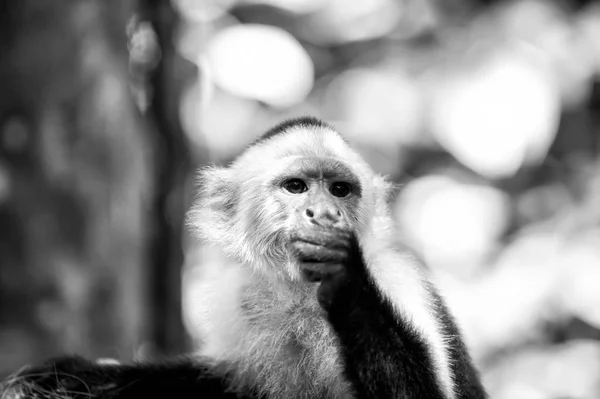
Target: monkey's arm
(76, 378)
(384, 357)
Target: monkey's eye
(340, 189)
(295, 186)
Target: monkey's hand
(333, 258)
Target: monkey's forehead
(309, 141)
(300, 140)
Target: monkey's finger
(314, 272)
(308, 252)
(310, 275)
(326, 238)
(333, 233)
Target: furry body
(297, 208)
(307, 144)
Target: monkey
(316, 299)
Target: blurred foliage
(488, 115)
(75, 169)
(91, 189)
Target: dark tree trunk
(167, 82)
(90, 192)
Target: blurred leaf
(570, 370)
(497, 116)
(453, 225)
(261, 62)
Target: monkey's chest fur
(279, 337)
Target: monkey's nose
(323, 215)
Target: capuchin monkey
(316, 299)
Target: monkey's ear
(213, 180)
(217, 199)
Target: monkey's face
(292, 182)
(318, 192)
(315, 194)
(292, 193)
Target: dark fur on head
(300, 121)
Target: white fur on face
(238, 212)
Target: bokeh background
(487, 114)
